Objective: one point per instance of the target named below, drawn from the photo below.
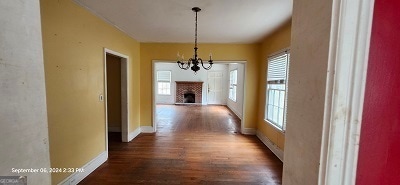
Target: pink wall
(379, 155)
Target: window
(275, 105)
(232, 84)
(164, 82)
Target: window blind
(277, 67)
(163, 76)
(276, 88)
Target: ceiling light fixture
(195, 61)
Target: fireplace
(188, 92)
(189, 97)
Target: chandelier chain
(195, 32)
(195, 61)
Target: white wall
(178, 74)
(237, 107)
(23, 112)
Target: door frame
(124, 94)
(247, 131)
(345, 87)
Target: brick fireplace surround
(185, 86)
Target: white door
(214, 88)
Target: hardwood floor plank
(193, 145)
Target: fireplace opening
(189, 97)
(188, 92)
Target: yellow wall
(229, 52)
(279, 40)
(73, 42)
(114, 91)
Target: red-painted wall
(379, 154)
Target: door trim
(124, 94)
(345, 87)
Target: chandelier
(195, 61)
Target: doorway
(177, 74)
(116, 99)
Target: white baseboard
(235, 112)
(188, 104)
(146, 129)
(133, 134)
(267, 142)
(88, 168)
(248, 131)
(114, 129)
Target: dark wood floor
(193, 145)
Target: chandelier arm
(210, 62)
(182, 65)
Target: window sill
(232, 100)
(164, 94)
(274, 126)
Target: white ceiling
(172, 21)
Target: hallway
(193, 145)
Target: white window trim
(229, 95)
(274, 125)
(170, 85)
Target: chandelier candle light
(195, 61)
